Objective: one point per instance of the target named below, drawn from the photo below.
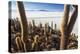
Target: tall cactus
(72, 19)
(55, 27)
(64, 26)
(52, 24)
(67, 25)
(24, 23)
(33, 23)
(72, 22)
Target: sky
(33, 6)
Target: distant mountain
(34, 10)
(37, 10)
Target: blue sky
(33, 6)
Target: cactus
(52, 24)
(55, 27)
(24, 23)
(67, 25)
(64, 26)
